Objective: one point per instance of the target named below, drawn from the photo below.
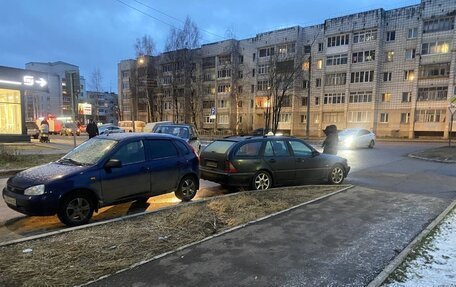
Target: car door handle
(272, 160)
(299, 160)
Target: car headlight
(349, 141)
(35, 190)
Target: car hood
(44, 174)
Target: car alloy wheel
(336, 175)
(76, 209)
(262, 181)
(187, 188)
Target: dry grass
(13, 160)
(441, 153)
(87, 254)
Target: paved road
(345, 240)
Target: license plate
(10, 200)
(211, 164)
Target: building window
(360, 97)
(319, 64)
(430, 116)
(358, 117)
(365, 56)
(406, 97)
(240, 89)
(208, 77)
(286, 49)
(412, 33)
(252, 89)
(435, 71)
(285, 118)
(286, 101)
(365, 36)
(386, 97)
(208, 120)
(383, 117)
(225, 73)
(409, 75)
(263, 85)
(320, 47)
(318, 82)
(224, 59)
(410, 54)
(241, 59)
(304, 101)
(405, 118)
(362, 77)
(335, 79)
(305, 84)
(240, 74)
(224, 88)
(340, 40)
(439, 47)
(307, 49)
(333, 117)
(253, 56)
(10, 112)
(239, 104)
(317, 101)
(432, 94)
(222, 103)
(389, 56)
(438, 25)
(387, 76)
(335, 60)
(266, 52)
(208, 104)
(208, 62)
(390, 36)
(263, 69)
(334, 98)
(253, 72)
(223, 119)
(303, 118)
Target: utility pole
(308, 96)
(73, 99)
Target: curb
(378, 281)
(219, 234)
(430, 159)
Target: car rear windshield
(219, 146)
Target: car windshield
(219, 146)
(178, 131)
(89, 152)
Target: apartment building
(104, 106)
(388, 71)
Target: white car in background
(356, 137)
(105, 129)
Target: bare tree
(144, 46)
(180, 57)
(96, 85)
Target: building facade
(104, 106)
(57, 101)
(392, 72)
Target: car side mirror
(315, 153)
(113, 163)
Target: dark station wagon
(267, 161)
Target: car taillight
(194, 151)
(229, 167)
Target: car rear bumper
(29, 205)
(232, 179)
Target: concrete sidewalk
(345, 240)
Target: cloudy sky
(99, 33)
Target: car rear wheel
(187, 188)
(76, 209)
(371, 144)
(336, 175)
(262, 181)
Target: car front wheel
(76, 209)
(187, 188)
(261, 181)
(371, 144)
(336, 175)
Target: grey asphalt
(345, 240)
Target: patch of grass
(13, 160)
(82, 255)
(441, 153)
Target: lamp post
(452, 109)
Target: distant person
(331, 141)
(92, 129)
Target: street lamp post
(452, 109)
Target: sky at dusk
(99, 33)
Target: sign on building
(85, 109)
(212, 116)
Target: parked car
(69, 128)
(102, 171)
(32, 129)
(127, 126)
(356, 137)
(268, 161)
(184, 131)
(150, 126)
(109, 128)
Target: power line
(177, 19)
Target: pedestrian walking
(331, 141)
(92, 129)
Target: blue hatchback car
(105, 170)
